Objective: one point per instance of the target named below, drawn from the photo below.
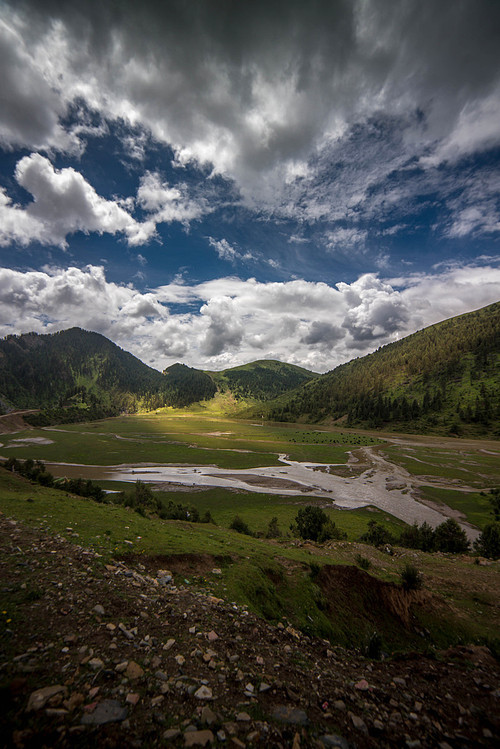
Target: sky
(217, 182)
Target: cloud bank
(229, 321)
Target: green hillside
(186, 385)
(76, 375)
(445, 378)
(73, 367)
(261, 380)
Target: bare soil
(109, 639)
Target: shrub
(418, 537)
(450, 537)
(330, 531)
(377, 535)
(411, 578)
(495, 503)
(310, 521)
(374, 647)
(273, 530)
(240, 526)
(363, 562)
(488, 543)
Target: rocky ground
(129, 655)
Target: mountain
(261, 380)
(75, 374)
(75, 368)
(443, 378)
(186, 385)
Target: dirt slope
(120, 656)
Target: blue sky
(219, 182)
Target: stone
(121, 667)
(132, 698)
(339, 705)
(212, 636)
(358, 723)
(293, 715)
(107, 711)
(169, 644)
(243, 717)
(99, 610)
(171, 734)
(203, 693)
(198, 738)
(235, 741)
(208, 716)
(362, 685)
(133, 671)
(95, 664)
(40, 697)
(332, 740)
(263, 687)
(180, 660)
(399, 681)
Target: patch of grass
(271, 577)
(473, 505)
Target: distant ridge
(76, 375)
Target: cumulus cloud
(63, 203)
(230, 321)
(166, 203)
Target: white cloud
(229, 321)
(223, 249)
(166, 203)
(63, 203)
(342, 238)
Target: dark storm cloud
(323, 333)
(249, 86)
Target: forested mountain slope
(75, 374)
(262, 380)
(73, 367)
(443, 378)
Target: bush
(450, 537)
(310, 521)
(377, 535)
(330, 531)
(495, 503)
(240, 526)
(374, 647)
(411, 578)
(363, 562)
(418, 537)
(273, 530)
(488, 543)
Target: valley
(185, 450)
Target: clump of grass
(240, 526)
(363, 562)
(374, 647)
(411, 577)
